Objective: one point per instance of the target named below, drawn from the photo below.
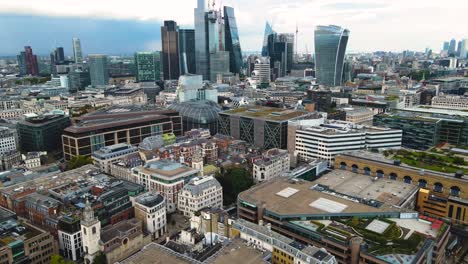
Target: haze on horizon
(123, 27)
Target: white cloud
(374, 24)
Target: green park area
(435, 161)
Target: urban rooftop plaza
(235, 131)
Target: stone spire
(88, 212)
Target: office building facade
(150, 208)
(99, 73)
(8, 140)
(334, 137)
(200, 193)
(330, 48)
(42, 133)
(170, 50)
(104, 157)
(201, 53)
(425, 130)
(187, 51)
(165, 176)
(265, 127)
(108, 127)
(77, 52)
(272, 163)
(147, 66)
(70, 238)
(27, 62)
(232, 42)
(78, 80)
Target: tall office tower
(201, 53)
(77, 53)
(23, 69)
(446, 45)
(280, 49)
(232, 40)
(170, 50)
(250, 64)
(53, 68)
(464, 49)
(261, 72)
(459, 46)
(59, 55)
(31, 61)
(268, 31)
(330, 48)
(187, 51)
(98, 70)
(452, 47)
(147, 66)
(218, 58)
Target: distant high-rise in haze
(77, 53)
(464, 49)
(27, 62)
(268, 31)
(59, 55)
(281, 50)
(147, 66)
(201, 52)
(98, 70)
(187, 51)
(452, 47)
(170, 50)
(459, 46)
(21, 58)
(232, 40)
(446, 45)
(330, 48)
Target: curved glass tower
(330, 48)
(232, 40)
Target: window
(94, 230)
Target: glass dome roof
(201, 112)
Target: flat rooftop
(154, 253)
(380, 158)
(288, 197)
(238, 251)
(383, 190)
(166, 168)
(267, 113)
(233, 253)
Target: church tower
(197, 161)
(91, 232)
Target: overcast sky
(123, 26)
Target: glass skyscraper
(232, 40)
(187, 51)
(147, 66)
(201, 52)
(98, 70)
(77, 53)
(268, 31)
(170, 50)
(330, 48)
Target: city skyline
(122, 31)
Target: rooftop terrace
(267, 113)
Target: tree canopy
(234, 180)
(78, 161)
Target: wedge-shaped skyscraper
(330, 48)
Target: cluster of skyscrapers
(210, 50)
(456, 49)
